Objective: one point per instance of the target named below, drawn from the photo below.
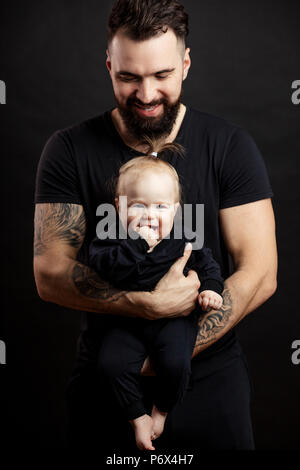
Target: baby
(153, 195)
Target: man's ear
(108, 60)
(186, 63)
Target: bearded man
(148, 61)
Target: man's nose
(146, 92)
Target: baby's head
(153, 195)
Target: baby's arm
(209, 274)
(117, 260)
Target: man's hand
(175, 294)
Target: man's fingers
(193, 276)
(181, 262)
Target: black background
(245, 56)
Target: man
(148, 60)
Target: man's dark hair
(144, 19)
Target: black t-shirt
(222, 167)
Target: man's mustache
(134, 101)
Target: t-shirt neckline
(177, 139)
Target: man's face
(147, 81)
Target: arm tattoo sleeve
(212, 322)
(58, 222)
(90, 285)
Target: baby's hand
(148, 234)
(209, 298)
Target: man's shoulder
(98, 125)
(211, 123)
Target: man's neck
(132, 142)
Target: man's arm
(249, 234)
(62, 279)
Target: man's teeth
(147, 109)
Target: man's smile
(148, 110)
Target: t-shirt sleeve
(243, 175)
(56, 178)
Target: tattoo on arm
(58, 222)
(212, 322)
(90, 285)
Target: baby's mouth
(153, 227)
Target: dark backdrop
(245, 57)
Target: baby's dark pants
(168, 342)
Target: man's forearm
(241, 295)
(78, 287)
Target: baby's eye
(162, 206)
(138, 205)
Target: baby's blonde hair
(154, 161)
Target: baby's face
(150, 203)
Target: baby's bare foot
(159, 418)
(142, 427)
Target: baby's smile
(152, 226)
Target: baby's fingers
(205, 303)
(215, 303)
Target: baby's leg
(158, 422)
(172, 353)
(120, 360)
(143, 431)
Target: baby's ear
(117, 203)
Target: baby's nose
(149, 214)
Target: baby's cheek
(165, 225)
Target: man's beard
(153, 127)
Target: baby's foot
(142, 427)
(159, 418)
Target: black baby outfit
(126, 264)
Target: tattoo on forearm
(58, 222)
(90, 285)
(212, 322)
